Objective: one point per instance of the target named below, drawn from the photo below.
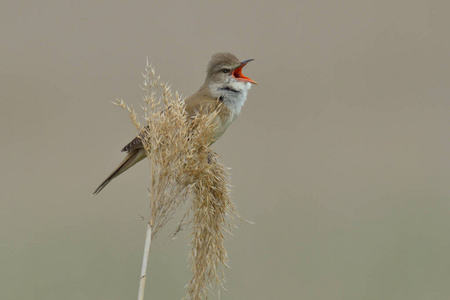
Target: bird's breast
(222, 122)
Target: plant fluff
(184, 169)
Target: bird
(224, 89)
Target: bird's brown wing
(194, 105)
(199, 103)
(136, 143)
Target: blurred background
(340, 156)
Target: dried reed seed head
(183, 168)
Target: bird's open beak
(237, 73)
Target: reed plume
(184, 170)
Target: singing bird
(225, 89)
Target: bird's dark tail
(133, 157)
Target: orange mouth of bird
(237, 73)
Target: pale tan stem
(148, 240)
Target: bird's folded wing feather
(194, 105)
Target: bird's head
(225, 71)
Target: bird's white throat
(233, 94)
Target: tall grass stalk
(184, 169)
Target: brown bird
(224, 84)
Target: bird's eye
(226, 70)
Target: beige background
(340, 156)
